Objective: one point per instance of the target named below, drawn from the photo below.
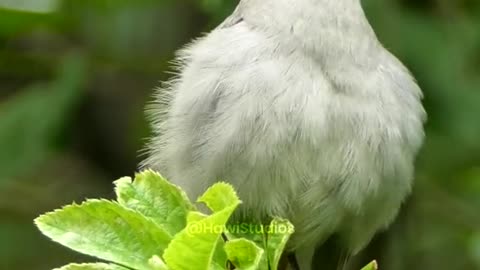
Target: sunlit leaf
(371, 266)
(91, 266)
(106, 230)
(244, 254)
(196, 244)
(278, 233)
(155, 197)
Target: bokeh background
(75, 76)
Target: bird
(299, 106)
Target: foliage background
(75, 76)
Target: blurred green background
(75, 76)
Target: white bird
(298, 105)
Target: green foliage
(40, 6)
(244, 254)
(217, 9)
(159, 200)
(92, 266)
(31, 121)
(371, 266)
(153, 225)
(106, 230)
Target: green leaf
(371, 266)
(278, 233)
(220, 196)
(91, 266)
(156, 198)
(195, 246)
(219, 256)
(195, 216)
(244, 254)
(157, 263)
(106, 230)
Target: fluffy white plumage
(298, 105)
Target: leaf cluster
(152, 225)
